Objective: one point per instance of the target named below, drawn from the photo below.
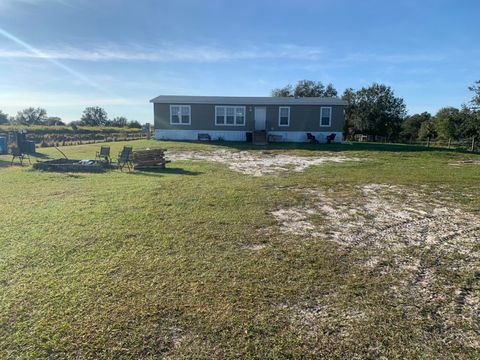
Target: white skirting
(161, 134)
(287, 136)
(301, 136)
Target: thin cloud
(169, 53)
(7, 3)
(35, 52)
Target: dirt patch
(381, 217)
(294, 220)
(259, 164)
(253, 247)
(466, 162)
(431, 249)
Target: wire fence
(469, 144)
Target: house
(259, 119)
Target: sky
(65, 55)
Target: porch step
(260, 137)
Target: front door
(260, 118)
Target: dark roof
(248, 100)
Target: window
(230, 115)
(283, 116)
(220, 115)
(325, 116)
(240, 115)
(180, 115)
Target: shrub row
(43, 130)
(53, 140)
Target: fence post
(428, 142)
(473, 143)
(449, 142)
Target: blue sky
(65, 55)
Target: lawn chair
(125, 158)
(204, 137)
(331, 137)
(103, 154)
(17, 153)
(311, 139)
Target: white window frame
(234, 115)
(329, 118)
(180, 119)
(280, 115)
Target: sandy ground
(422, 242)
(466, 162)
(259, 164)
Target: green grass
(151, 265)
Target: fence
(471, 144)
(79, 139)
(46, 136)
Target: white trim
(280, 113)
(329, 118)
(180, 118)
(235, 107)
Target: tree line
(373, 110)
(376, 111)
(91, 116)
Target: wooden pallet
(149, 159)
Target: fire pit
(65, 165)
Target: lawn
(377, 257)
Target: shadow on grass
(4, 163)
(16, 162)
(33, 158)
(354, 146)
(38, 155)
(176, 171)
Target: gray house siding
(202, 118)
(304, 118)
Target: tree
(286, 91)
(375, 110)
(428, 129)
(306, 88)
(309, 88)
(94, 116)
(330, 91)
(3, 118)
(134, 124)
(348, 126)
(476, 90)
(471, 123)
(412, 124)
(457, 124)
(119, 121)
(449, 122)
(54, 121)
(31, 116)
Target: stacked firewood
(149, 159)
